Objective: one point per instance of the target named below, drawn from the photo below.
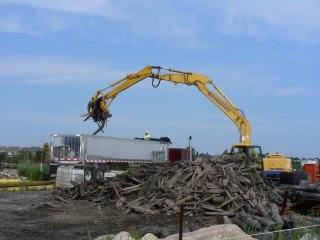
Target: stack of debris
(266, 219)
(300, 193)
(8, 174)
(218, 186)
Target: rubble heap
(8, 174)
(218, 186)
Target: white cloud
(13, 24)
(103, 8)
(141, 17)
(290, 91)
(287, 19)
(46, 16)
(53, 70)
(262, 84)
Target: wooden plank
(181, 201)
(218, 213)
(195, 173)
(131, 189)
(228, 201)
(170, 202)
(142, 209)
(210, 208)
(175, 178)
(116, 190)
(187, 176)
(134, 179)
(134, 202)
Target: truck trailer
(95, 154)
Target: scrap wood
(225, 183)
(131, 189)
(142, 209)
(181, 201)
(61, 199)
(218, 213)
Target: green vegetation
(136, 235)
(301, 229)
(16, 155)
(297, 234)
(296, 164)
(22, 156)
(33, 171)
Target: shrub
(32, 171)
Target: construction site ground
(36, 215)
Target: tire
(291, 178)
(99, 173)
(125, 166)
(53, 168)
(88, 174)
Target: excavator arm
(98, 107)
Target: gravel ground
(36, 215)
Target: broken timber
(218, 186)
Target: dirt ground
(36, 215)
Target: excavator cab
(251, 151)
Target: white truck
(94, 154)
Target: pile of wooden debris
(9, 174)
(219, 186)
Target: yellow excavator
(98, 107)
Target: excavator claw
(101, 126)
(97, 114)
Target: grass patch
(136, 235)
(32, 171)
(286, 234)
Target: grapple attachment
(98, 114)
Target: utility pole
(190, 147)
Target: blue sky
(264, 55)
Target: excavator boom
(98, 107)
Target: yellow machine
(98, 107)
(276, 163)
(277, 167)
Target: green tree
(39, 156)
(296, 163)
(21, 156)
(46, 152)
(3, 156)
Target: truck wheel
(99, 174)
(88, 174)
